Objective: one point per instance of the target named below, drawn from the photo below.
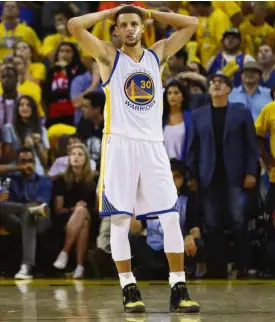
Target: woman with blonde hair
(75, 201)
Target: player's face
(77, 158)
(174, 96)
(129, 29)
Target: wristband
(149, 14)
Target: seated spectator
(26, 130)
(27, 206)
(176, 65)
(75, 201)
(66, 67)
(231, 59)
(176, 120)
(78, 8)
(61, 164)
(250, 93)
(148, 251)
(25, 86)
(155, 30)
(36, 72)
(255, 30)
(266, 60)
(9, 96)
(82, 85)
(91, 125)
(52, 42)
(11, 30)
(213, 22)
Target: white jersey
(134, 98)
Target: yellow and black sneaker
(180, 300)
(132, 300)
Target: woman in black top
(75, 199)
(56, 94)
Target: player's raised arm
(185, 25)
(99, 49)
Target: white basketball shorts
(135, 178)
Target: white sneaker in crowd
(24, 273)
(42, 210)
(79, 272)
(61, 261)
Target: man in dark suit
(222, 157)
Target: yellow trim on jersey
(102, 170)
(107, 110)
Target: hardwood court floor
(66, 300)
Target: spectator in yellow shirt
(232, 9)
(255, 31)
(36, 72)
(264, 126)
(52, 42)
(212, 24)
(24, 86)
(11, 31)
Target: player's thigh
(156, 191)
(118, 173)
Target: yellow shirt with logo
(209, 34)
(8, 38)
(31, 89)
(264, 124)
(37, 70)
(51, 42)
(255, 36)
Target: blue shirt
(256, 102)
(34, 189)
(79, 85)
(154, 228)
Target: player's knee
(169, 221)
(173, 239)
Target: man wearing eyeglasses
(24, 200)
(222, 157)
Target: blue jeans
(223, 204)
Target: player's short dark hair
(128, 9)
(96, 98)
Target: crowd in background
(51, 123)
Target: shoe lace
(134, 294)
(183, 292)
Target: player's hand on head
(113, 11)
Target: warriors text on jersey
(134, 98)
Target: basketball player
(135, 170)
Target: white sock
(176, 277)
(126, 278)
